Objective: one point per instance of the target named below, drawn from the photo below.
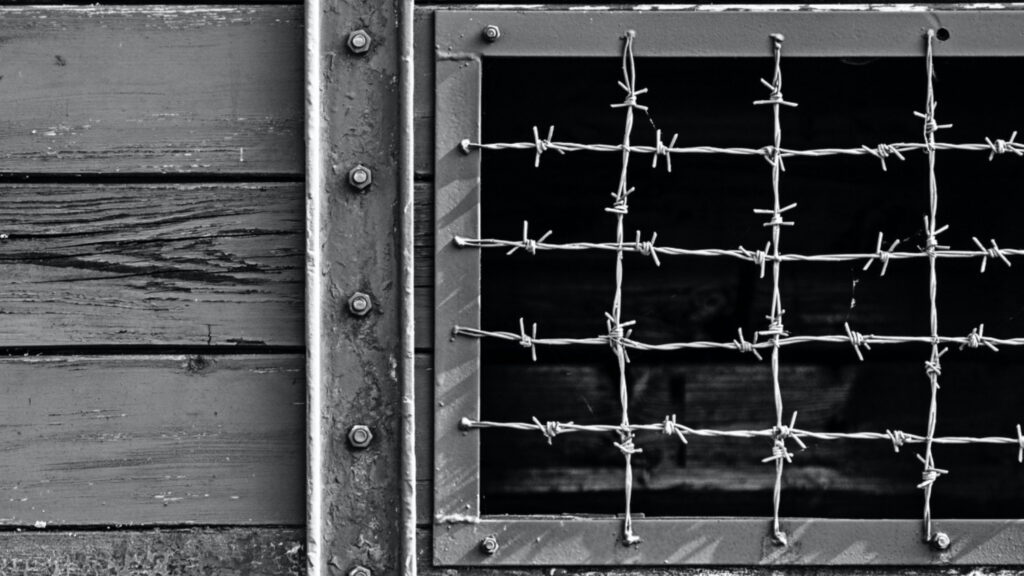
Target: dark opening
(707, 202)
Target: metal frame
(461, 50)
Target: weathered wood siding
(152, 89)
(151, 245)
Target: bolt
(489, 545)
(359, 304)
(360, 571)
(359, 436)
(492, 33)
(360, 177)
(359, 41)
(940, 541)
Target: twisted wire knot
(626, 446)
(542, 145)
(933, 367)
(780, 434)
(661, 150)
(1020, 445)
(618, 333)
(775, 326)
(621, 204)
(931, 125)
(882, 255)
(528, 341)
(1001, 146)
(647, 248)
(746, 347)
(670, 428)
(775, 95)
(930, 473)
(993, 252)
(932, 242)
(758, 257)
(526, 243)
(883, 151)
(898, 439)
(856, 340)
(550, 429)
(776, 219)
(977, 338)
(771, 154)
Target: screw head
(489, 545)
(359, 41)
(492, 33)
(359, 304)
(359, 436)
(360, 571)
(941, 541)
(360, 177)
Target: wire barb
(526, 244)
(1003, 146)
(647, 248)
(993, 252)
(883, 151)
(882, 255)
(746, 347)
(856, 340)
(543, 145)
(661, 150)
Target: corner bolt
(491, 33)
(940, 541)
(359, 304)
(359, 41)
(359, 436)
(489, 545)
(360, 177)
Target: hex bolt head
(359, 436)
(360, 571)
(491, 33)
(360, 177)
(359, 304)
(489, 545)
(359, 41)
(941, 541)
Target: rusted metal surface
(730, 33)
(354, 360)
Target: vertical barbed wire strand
(616, 328)
(933, 367)
(776, 329)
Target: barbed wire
(619, 333)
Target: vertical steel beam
(357, 241)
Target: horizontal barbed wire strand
(975, 339)
(757, 257)
(669, 426)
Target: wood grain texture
(152, 89)
(122, 440)
(193, 264)
(212, 552)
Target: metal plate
(461, 49)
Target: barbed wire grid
(774, 337)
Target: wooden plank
(152, 89)
(152, 440)
(194, 264)
(212, 552)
